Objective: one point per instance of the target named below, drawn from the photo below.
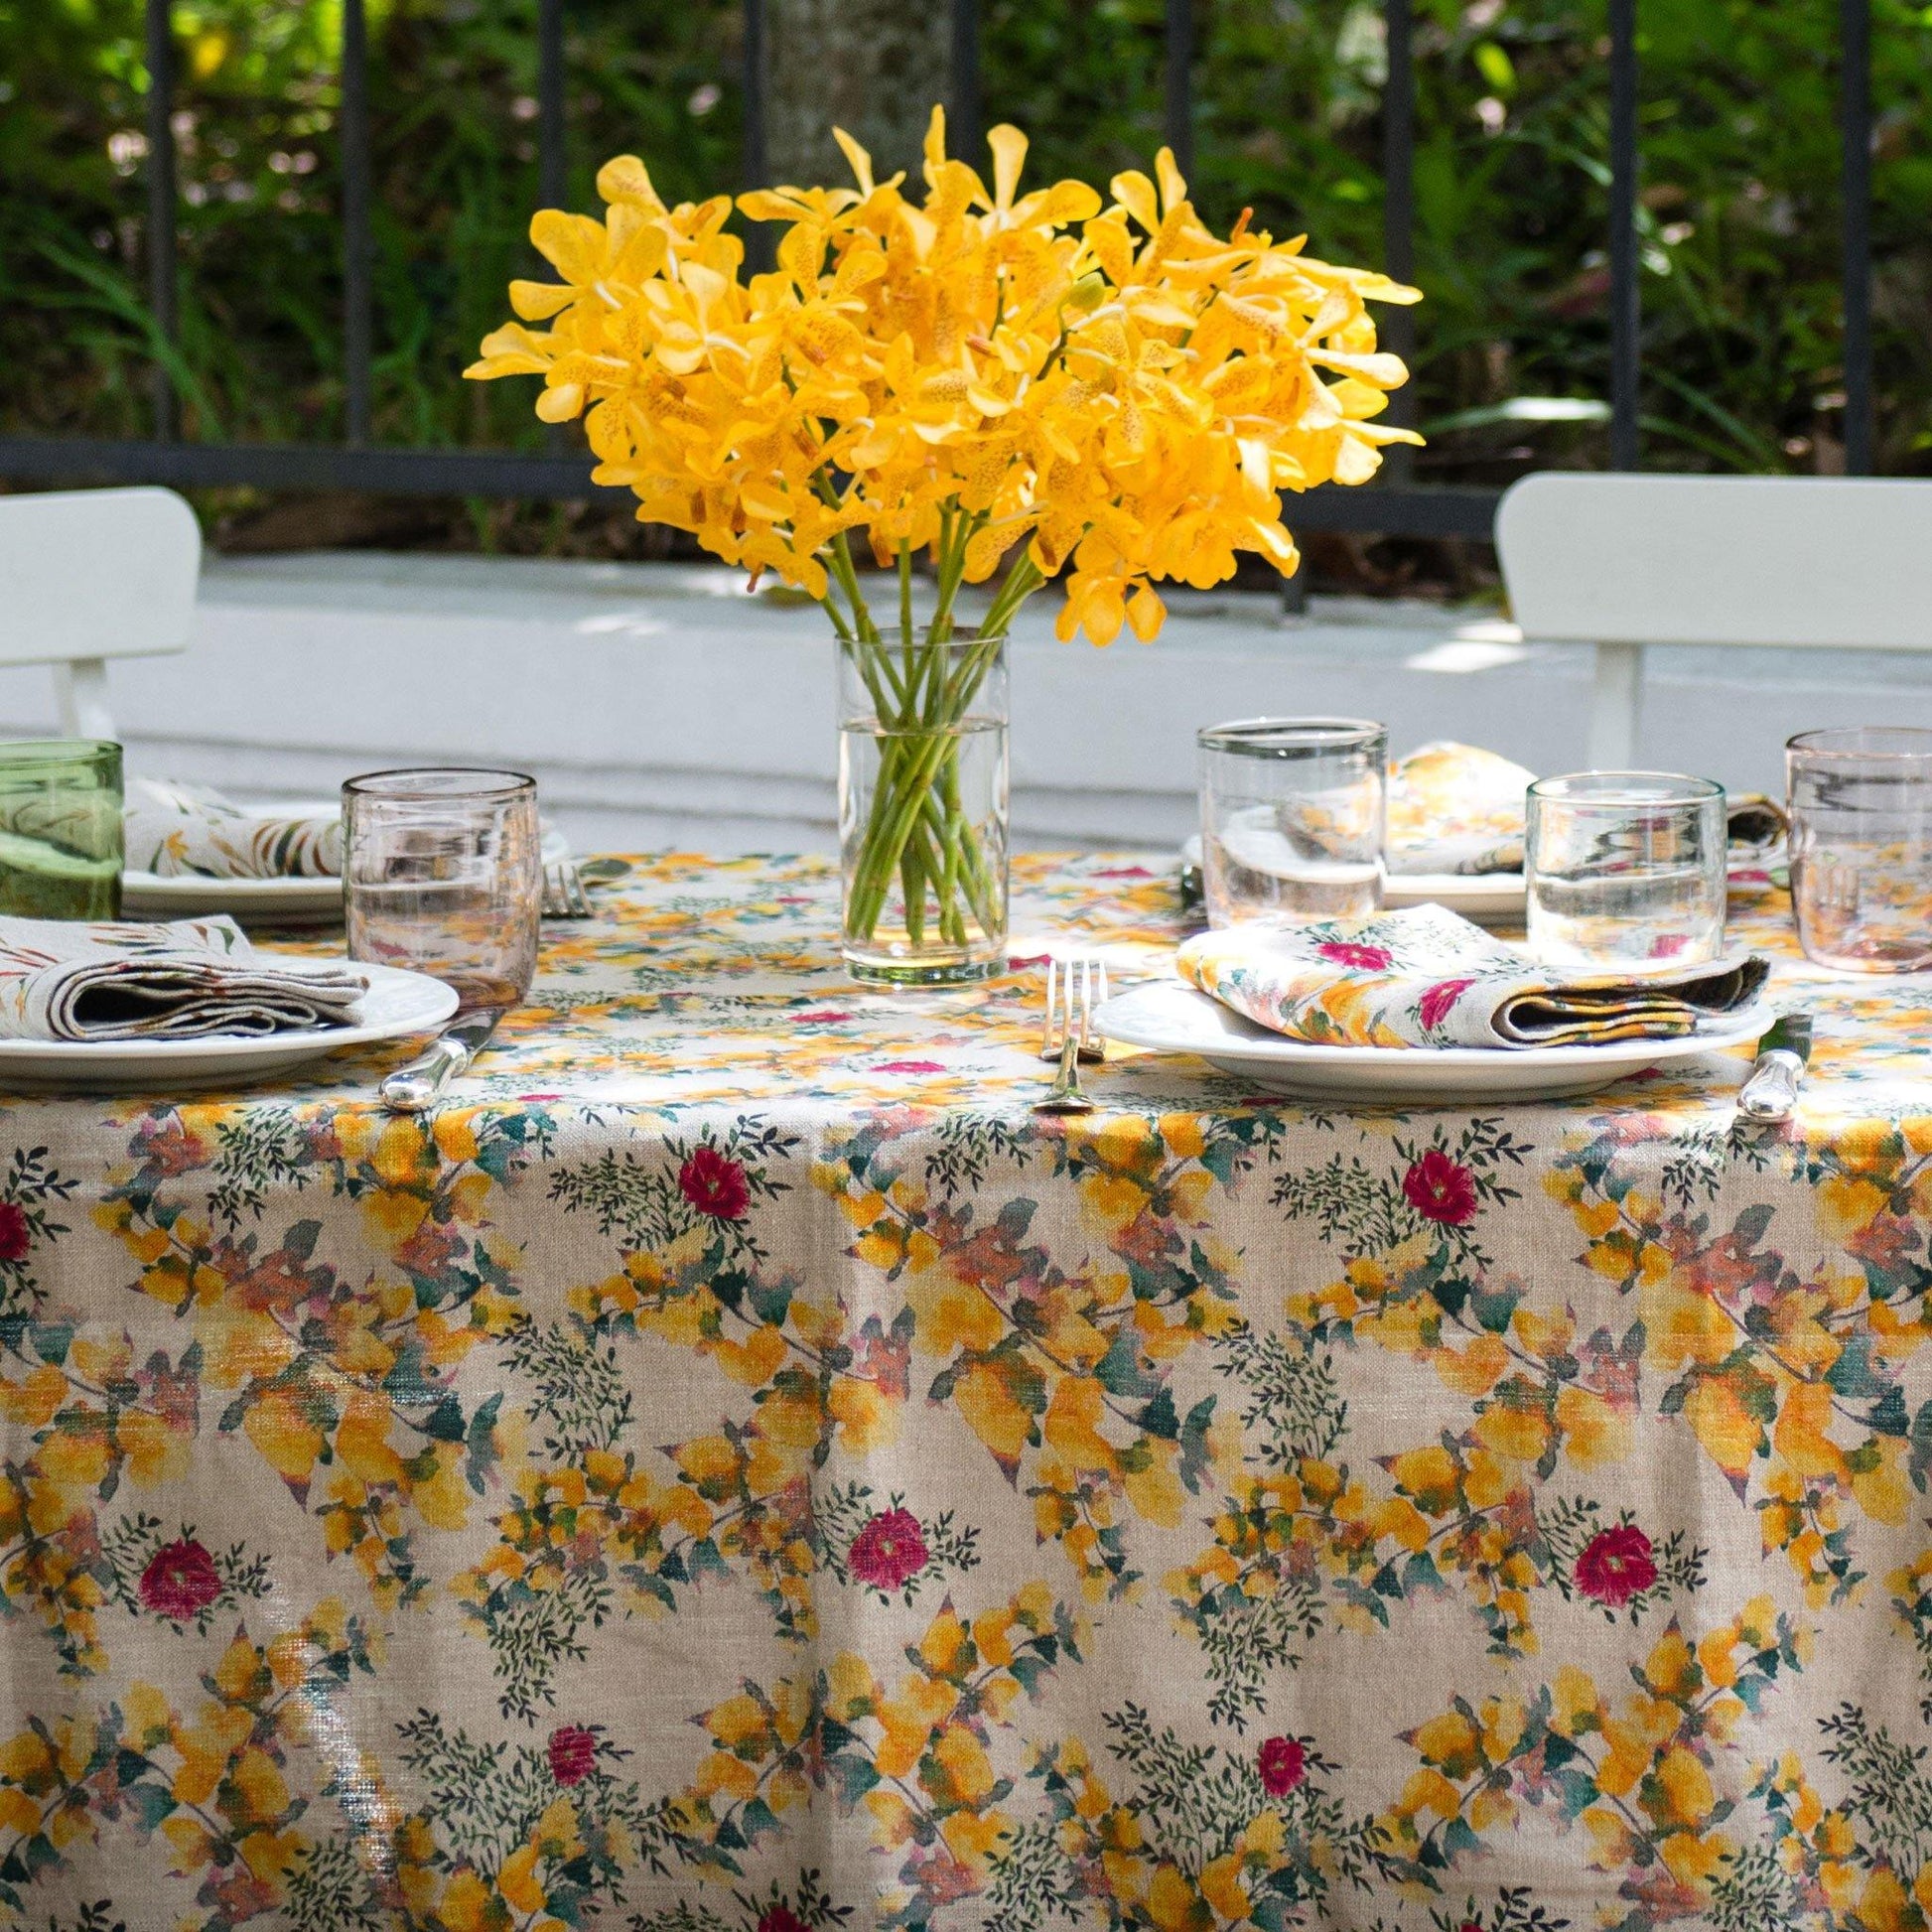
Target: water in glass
(60, 829)
(444, 877)
(946, 921)
(1625, 868)
(1292, 819)
(1861, 803)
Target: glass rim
(1839, 741)
(55, 751)
(1281, 738)
(1622, 788)
(414, 784)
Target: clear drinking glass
(62, 834)
(1861, 802)
(1292, 815)
(922, 811)
(1625, 868)
(442, 874)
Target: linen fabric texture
(1458, 809)
(178, 830)
(187, 979)
(1424, 976)
(735, 1466)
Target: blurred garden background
(1739, 235)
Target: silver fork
(1074, 986)
(564, 896)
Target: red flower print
(1439, 1000)
(890, 1551)
(1617, 1566)
(180, 1582)
(1346, 952)
(714, 1183)
(16, 1237)
(910, 1067)
(781, 1919)
(1440, 1189)
(1283, 1764)
(573, 1754)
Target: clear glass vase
(923, 809)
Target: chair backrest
(1624, 561)
(87, 575)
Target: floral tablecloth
(734, 1469)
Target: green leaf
(445, 1423)
(1159, 1416)
(1495, 67)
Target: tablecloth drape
(736, 1468)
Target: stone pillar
(874, 67)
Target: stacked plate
(261, 901)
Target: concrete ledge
(659, 704)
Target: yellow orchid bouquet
(1011, 386)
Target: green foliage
(970, 1143)
(1890, 1797)
(1741, 205)
(32, 1187)
(330, 1891)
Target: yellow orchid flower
(1029, 381)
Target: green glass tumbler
(62, 838)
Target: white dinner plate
(1175, 1018)
(396, 1004)
(283, 901)
(1475, 895)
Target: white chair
(1624, 561)
(87, 575)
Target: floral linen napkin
(1423, 977)
(190, 831)
(1457, 808)
(61, 980)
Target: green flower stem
(916, 832)
(924, 753)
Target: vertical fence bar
(754, 83)
(359, 308)
(552, 174)
(162, 268)
(1626, 297)
(1855, 115)
(1180, 83)
(760, 245)
(1399, 215)
(967, 131)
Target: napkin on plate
(190, 831)
(61, 980)
(1423, 977)
(1457, 808)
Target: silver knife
(413, 1089)
(1771, 1091)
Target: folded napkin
(189, 831)
(61, 980)
(1457, 808)
(1423, 977)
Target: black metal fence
(1395, 506)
